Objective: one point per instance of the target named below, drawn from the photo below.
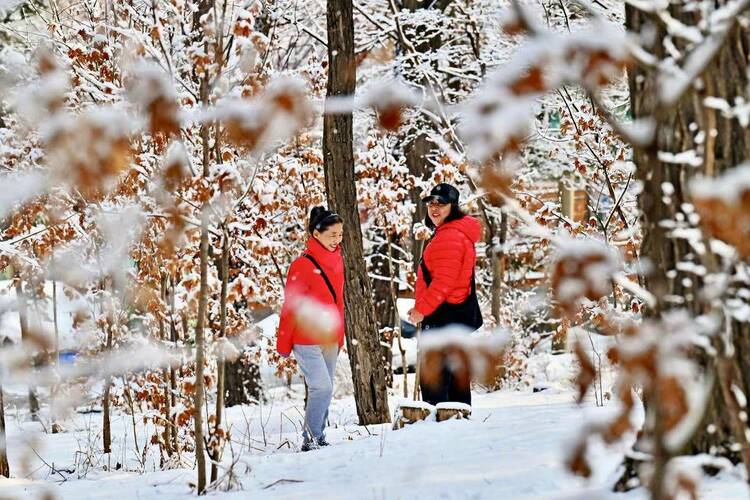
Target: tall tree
(691, 125)
(363, 343)
(4, 467)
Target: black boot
(309, 445)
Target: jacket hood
(467, 225)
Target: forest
(161, 162)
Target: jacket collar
(321, 254)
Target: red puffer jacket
(305, 287)
(450, 258)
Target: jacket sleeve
(445, 269)
(297, 284)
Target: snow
(387, 94)
(641, 131)
(411, 403)
(729, 186)
(280, 111)
(512, 447)
(502, 110)
(66, 309)
(25, 187)
(453, 406)
(674, 81)
(739, 396)
(320, 320)
(689, 157)
(460, 335)
(8, 5)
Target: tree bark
(4, 467)
(726, 78)
(498, 258)
(198, 400)
(224, 275)
(385, 301)
(172, 395)
(168, 428)
(55, 426)
(242, 384)
(363, 342)
(417, 151)
(106, 424)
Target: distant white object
(40, 315)
(7, 5)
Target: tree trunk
(363, 343)
(242, 384)
(224, 275)
(498, 259)
(4, 467)
(202, 306)
(417, 151)
(55, 426)
(200, 355)
(168, 429)
(725, 78)
(23, 319)
(385, 302)
(106, 424)
(172, 371)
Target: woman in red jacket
(446, 289)
(312, 318)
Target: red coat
(305, 285)
(450, 258)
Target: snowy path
(511, 449)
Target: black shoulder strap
(426, 276)
(323, 274)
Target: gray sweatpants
(318, 364)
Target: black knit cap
(444, 193)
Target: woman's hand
(415, 316)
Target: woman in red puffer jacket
(312, 318)
(446, 288)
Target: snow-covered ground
(512, 448)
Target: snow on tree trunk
(385, 304)
(202, 306)
(363, 343)
(723, 143)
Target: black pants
(446, 390)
